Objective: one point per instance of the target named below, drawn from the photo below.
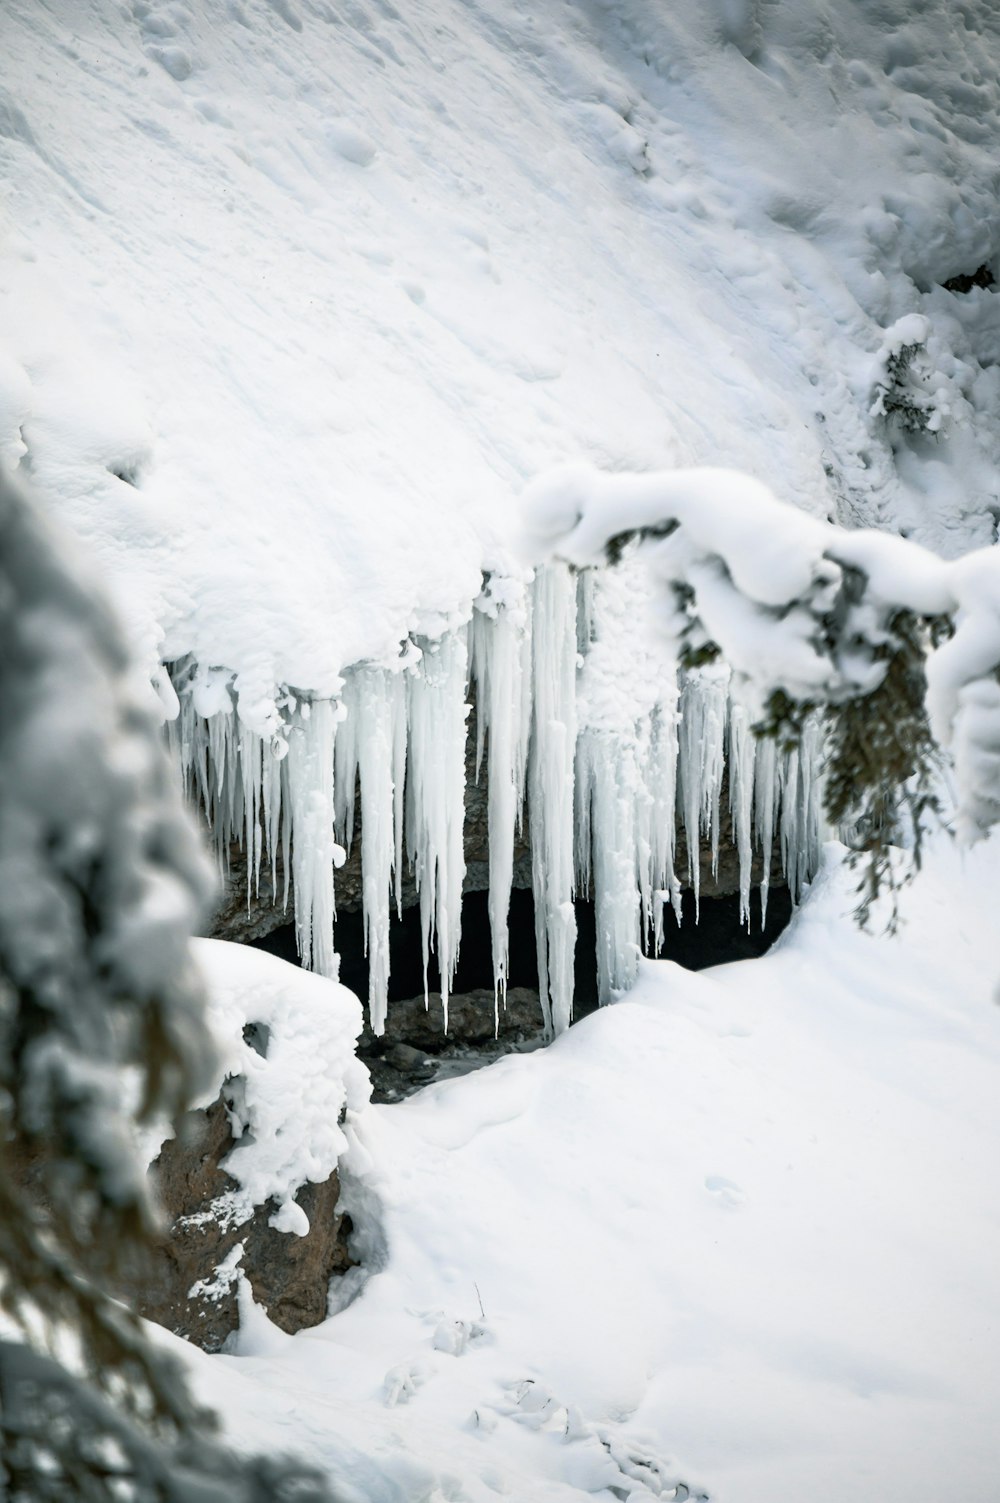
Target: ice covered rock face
(587, 741)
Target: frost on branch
(899, 646)
(907, 389)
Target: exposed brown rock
(470, 1017)
(289, 1275)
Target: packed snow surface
(739, 1231)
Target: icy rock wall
(604, 770)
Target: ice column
(703, 711)
(435, 799)
(661, 782)
(742, 760)
(314, 852)
(765, 799)
(379, 703)
(550, 788)
(501, 653)
(611, 799)
(801, 807)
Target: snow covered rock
(184, 1290)
(249, 1186)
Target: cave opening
(716, 937)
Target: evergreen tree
(101, 1028)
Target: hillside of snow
(296, 298)
(295, 295)
(738, 1232)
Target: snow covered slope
(295, 295)
(739, 1231)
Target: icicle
(812, 750)
(583, 843)
(550, 787)
(764, 797)
(376, 705)
(435, 808)
(661, 780)
(790, 816)
(702, 763)
(611, 790)
(499, 661)
(742, 753)
(800, 808)
(271, 784)
(398, 784)
(313, 849)
(347, 752)
(252, 785)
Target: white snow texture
(290, 405)
(298, 298)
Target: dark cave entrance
(415, 1049)
(715, 939)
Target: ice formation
(602, 785)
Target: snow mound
(737, 1232)
(289, 1073)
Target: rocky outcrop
(178, 1282)
(191, 1283)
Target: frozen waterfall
(585, 733)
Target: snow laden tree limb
(898, 648)
(101, 1026)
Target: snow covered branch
(903, 644)
(102, 1026)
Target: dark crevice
(717, 938)
(981, 277)
(416, 1050)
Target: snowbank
(740, 1228)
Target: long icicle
(550, 789)
(499, 663)
(435, 812)
(376, 706)
(313, 849)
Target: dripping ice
(584, 731)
